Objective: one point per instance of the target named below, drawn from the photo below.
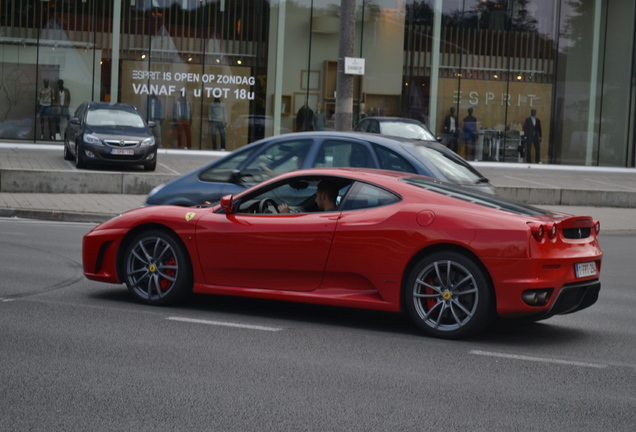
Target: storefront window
(219, 74)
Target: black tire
(151, 166)
(67, 154)
(79, 160)
(448, 295)
(157, 268)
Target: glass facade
(218, 74)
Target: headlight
(91, 139)
(148, 142)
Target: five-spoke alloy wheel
(448, 295)
(157, 269)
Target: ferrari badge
(189, 216)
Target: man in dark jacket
(532, 134)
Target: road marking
(169, 169)
(538, 359)
(225, 324)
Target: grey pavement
(36, 183)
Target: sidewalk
(606, 194)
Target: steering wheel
(267, 205)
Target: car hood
(118, 132)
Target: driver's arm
(267, 170)
(283, 208)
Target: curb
(62, 216)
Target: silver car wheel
(157, 270)
(449, 295)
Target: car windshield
(113, 117)
(452, 166)
(406, 130)
(222, 170)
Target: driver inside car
(326, 195)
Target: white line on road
(169, 169)
(538, 359)
(225, 324)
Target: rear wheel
(157, 268)
(448, 295)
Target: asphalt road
(80, 355)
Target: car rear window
(474, 197)
(452, 166)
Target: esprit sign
(354, 66)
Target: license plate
(585, 269)
(122, 151)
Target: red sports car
(451, 258)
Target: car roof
(394, 119)
(362, 136)
(111, 105)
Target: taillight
(597, 227)
(538, 231)
(552, 230)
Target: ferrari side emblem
(189, 216)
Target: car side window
(363, 196)
(390, 160)
(335, 153)
(374, 127)
(362, 126)
(79, 111)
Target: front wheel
(67, 154)
(79, 160)
(151, 166)
(157, 269)
(448, 295)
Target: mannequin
(320, 119)
(45, 101)
(217, 115)
(62, 102)
(182, 115)
(154, 112)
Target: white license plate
(585, 269)
(122, 151)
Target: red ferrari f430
(451, 258)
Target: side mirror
(151, 124)
(235, 176)
(74, 121)
(227, 203)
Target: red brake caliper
(165, 283)
(430, 302)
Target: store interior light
(143, 55)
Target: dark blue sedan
(270, 157)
